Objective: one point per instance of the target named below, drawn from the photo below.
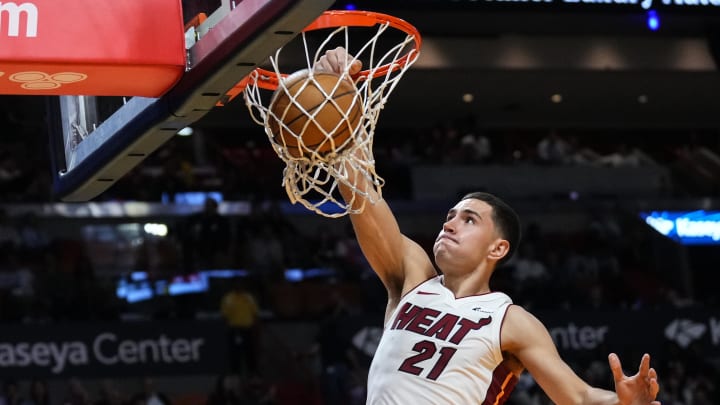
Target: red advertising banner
(91, 47)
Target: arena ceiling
(608, 69)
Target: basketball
(315, 113)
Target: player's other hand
(639, 389)
(337, 61)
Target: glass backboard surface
(97, 140)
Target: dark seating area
(598, 256)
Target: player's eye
(470, 220)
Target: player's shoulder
(518, 314)
(520, 326)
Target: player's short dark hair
(505, 218)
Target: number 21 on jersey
(426, 350)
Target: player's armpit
(417, 266)
(526, 338)
(400, 263)
(381, 242)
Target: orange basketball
(333, 123)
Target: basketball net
(313, 178)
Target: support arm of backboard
(226, 53)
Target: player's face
(467, 237)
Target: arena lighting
(187, 131)
(653, 21)
(350, 6)
(688, 228)
(156, 229)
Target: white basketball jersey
(437, 349)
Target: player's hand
(337, 61)
(639, 389)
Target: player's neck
(466, 285)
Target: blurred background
(194, 281)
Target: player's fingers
(615, 367)
(652, 373)
(326, 63)
(654, 387)
(644, 365)
(355, 67)
(338, 59)
(322, 65)
(335, 63)
(343, 60)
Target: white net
(328, 144)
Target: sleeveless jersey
(436, 349)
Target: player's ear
(499, 249)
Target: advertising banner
(113, 349)
(91, 47)
(582, 334)
(166, 348)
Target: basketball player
(449, 339)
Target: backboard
(96, 138)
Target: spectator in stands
(76, 394)
(241, 313)
(226, 391)
(10, 237)
(527, 267)
(258, 392)
(109, 394)
(326, 248)
(33, 237)
(38, 393)
(530, 275)
(11, 174)
(265, 253)
(475, 147)
(206, 238)
(11, 393)
(553, 149)
(333, 345)
(623, 156)
(150, 395)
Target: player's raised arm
(527, 339)
(400, 263)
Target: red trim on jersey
(417, 286)
(502, 322)
(503, 383)
(427, 293)
(442, 281)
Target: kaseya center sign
(113, 349)
(687, 227)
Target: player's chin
(442, 254)
(438, 248)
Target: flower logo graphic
(46, 81)
(684, 331)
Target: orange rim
(269, 80)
